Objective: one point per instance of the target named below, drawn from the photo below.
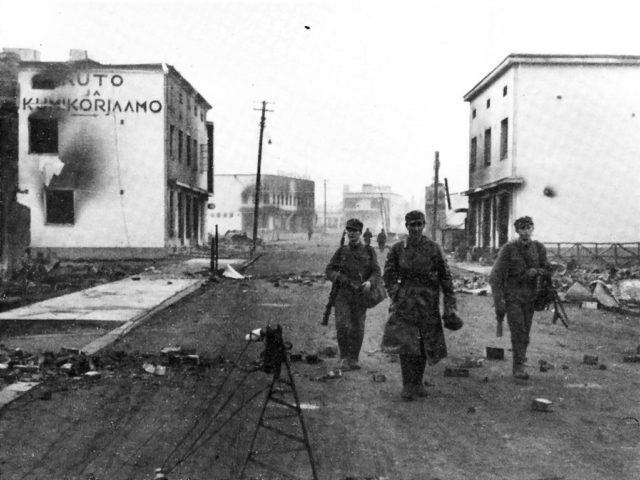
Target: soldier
(382, 240)
(513, 283)
(367, 237)
(414, 275)
(352, 269)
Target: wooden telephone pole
(256, 210)
(434, 226)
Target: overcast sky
(361, 91)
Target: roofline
(262, 175)
(92, 64)
(546, 59)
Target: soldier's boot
(519, 371)
(419, 364)
(408, 388)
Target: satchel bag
(376, 294)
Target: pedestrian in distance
(382, 240)
(352, 269)
(415, 274)
(513, 280)
(310, 232)
(367, 237)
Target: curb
(16, 390)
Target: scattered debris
(470, 362)
(631, 358)
(230, 272)
(545, 366)
(589, 305)
(379, 378)
(541, 405)
(329, 352)
(456, 372)
(578, 293)
(312, 358)
(590, 360)
(494, 353)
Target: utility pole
(436, 166)
(256, 210)
(325, 205)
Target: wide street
(193, 410)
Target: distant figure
(310, 231)
(382, 240)
(367, 237)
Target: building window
(172, 131)
(504, 91)
(180, 140)
(42, 82)
(504, 138)
(172, 215)
(59, 207)
(43, 135)
(473, 153)
(488, 103)
(195, 154)
(188, 149)
(487, 146)
(473, 113)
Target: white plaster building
(556, 137)
(114, 160)
(377, 207)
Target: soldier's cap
(523, 222)
(355, 224)
(414, 215)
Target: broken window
(43, 135)
(180, 146)
(59, 206)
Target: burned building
(114, 160)
(376, 206)
(14, 217)
(287, 205)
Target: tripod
(558, 311)
(274, 357)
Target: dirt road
(197, 420)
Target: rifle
(332, 293)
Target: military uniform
(350, 266)
(414, 274)
(513, 283)
(367, 236)
(382, 240)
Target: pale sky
(366, 94)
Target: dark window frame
(504, 138)
(487, 147)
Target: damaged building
(555, 137)
(287, 205)
(115, 161)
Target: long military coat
(414, 275)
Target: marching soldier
(513, 283)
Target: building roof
(89, 64)
(548, 60)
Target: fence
(616, 254)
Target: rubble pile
(473, 284)
(609, 288)
(303, 278)
(18, 365)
